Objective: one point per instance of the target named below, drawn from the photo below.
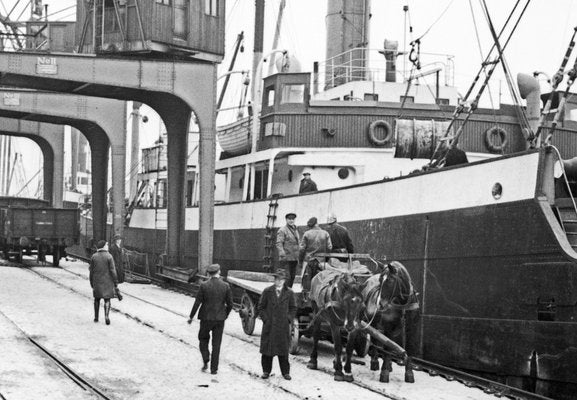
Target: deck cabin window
(293, 93)
(269, 96)
(211, 7)
(161, 194)
(189, 187)
(260, 184)
(407, 99)
(165, 2)
(443, 102)
(371, 97)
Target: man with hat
(340, 238)
(287, 244)
(307, 184)
(214, 298)
(315, 240)
(277, 309)
(118, 255)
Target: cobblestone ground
(150, 352)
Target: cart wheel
(295, 335)
(247, 313)
(362, 344)
(56, 256)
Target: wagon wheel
(56, 256)
(295, 335)
(362, 343)
(247, 313)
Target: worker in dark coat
(117, 253)
(314, 241)
(277, 309)
(287, 244)
(340, 238)
(103, 279)
(214, 299)
(307, 184)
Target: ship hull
(497, 278)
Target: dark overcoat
(102, 275)
(118, 256)
(214, 298)
(277, 313)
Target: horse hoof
(312, 365)
(384, 378)
(374, 365)
(339, 378)
(410, 378)
(349, 378)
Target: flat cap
(290, 215)
(312, 222)
(280, 274)
(213, 268)
(116, 237)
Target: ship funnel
(391, 53)
(530, 90)
(347, 24)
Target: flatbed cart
(248, 287)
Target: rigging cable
(475, 102)
(521, 116)
(437, 20)
(556, 80)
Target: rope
(435, 22)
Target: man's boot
(96, 309)
(107, 311)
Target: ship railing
(364, 64)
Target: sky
(446, 27)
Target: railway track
(491, 387)
(74, 376)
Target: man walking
(277, 309)
(103, 279)
(287, 244)
(214, 299)
(117, 253)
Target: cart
(248, 287)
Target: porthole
(343, 173)
(497, 191)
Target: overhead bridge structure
(101, 121)
(50, 139)
(173, 88)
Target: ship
(490, 243)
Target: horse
(391, 301)
(336, 298)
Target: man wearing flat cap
(307, 184)
(277, 309)
(287, 245)
(214, 299)
(118, 255)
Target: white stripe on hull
(464, 187)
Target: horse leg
(312, 364)
(374, 355)
(409, 376)
(385, 369)
(349, 354)
(338, 365)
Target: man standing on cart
(315, 240)
(287, 244)
(340, 237)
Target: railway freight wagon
(40, 230)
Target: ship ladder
(568, 219)
(270, 236)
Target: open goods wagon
(39, 230)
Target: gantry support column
(154, 82)
(102, 121)
(50, 139)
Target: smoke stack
(391, 52)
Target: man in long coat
(340, 238)
(287, 244)
(277, 309)
(315, 240)
(214, 298)
(103, 279)
(117, 253)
